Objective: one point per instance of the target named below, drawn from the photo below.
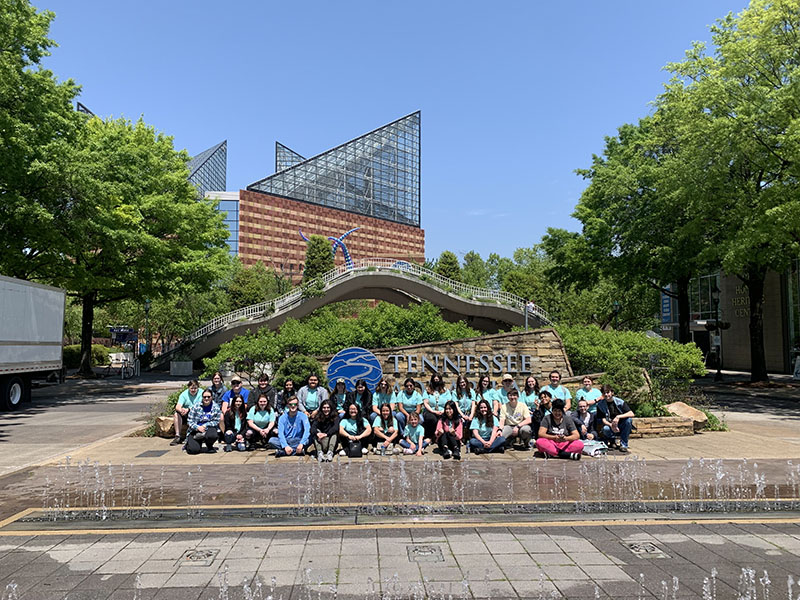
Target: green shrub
(314, 288)
(714, 424)
(72, 355)
(622, 355)
(298, 368)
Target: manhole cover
(425, 553)
(152, 453)
(198, 558)
(645, 549)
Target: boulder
(681, 409)
(165, 427)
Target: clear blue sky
(514, 95)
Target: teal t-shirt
(592, 394)
(488, 395)
(409, 402)
(186, 400)
(339, 399)
(351, 425)
(502, 395)
(379, 398)
(378, 422)
(437, 400)
(484, 431)
(415, 434)
(312, 399)
(238, 422)
(530, 400)
(559, 392)
(465, 402)
(261, 418)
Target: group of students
(483, 418)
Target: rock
(165, 427)
(681, 409)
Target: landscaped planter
(662, 427)
(181, 368)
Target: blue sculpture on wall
(338, 243)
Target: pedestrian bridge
(398, 282)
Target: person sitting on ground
(530, 393)
(264, 387)
(354, 431)
(515, 421)
(464, 397)
(188, 398)
(325, 431)
(363, 397)
(339, 395)
(614, 419)
(235, 425)
(545, 403)
(385, 431)
(484, 390)
(281, 397)
(408, 400)
(310, 396)
(294, 431)
(433, 402)
(217, 388)
(260, 423)
(588, 393)
(236, 390)
(450, 431)
(558, 435)
(414, 441)
(559, 391)
(485, 427)
(501, 395)
(203, 425)
(584, 421)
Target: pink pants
(552, 447)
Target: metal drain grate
(426, 553)
(645, 549)
(198, 558)
(152, 453)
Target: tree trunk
(684, 310)
(87, 322)
(755, 289)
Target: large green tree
(255, 283)
(474, 271)
(740, 121)
(132, 225)
(38, 127)
(447, 266)
(319, 258)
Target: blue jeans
(276, 443)
(401, 421)
(625, 426)
(498, 442)
(405, 444)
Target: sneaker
(342, 453)
(397, 450)
(175, 441)
(211, 450)
(456, 455)
(241, 447)
(502, 449)
(329, 455)
(446, 454)
(408, 451)
(228, 448)
(575, 455)
(623, 449)
(364, 451)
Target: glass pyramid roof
(376, 174)
(208, 170)
(285, 157)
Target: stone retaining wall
(662, 427)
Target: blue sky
(514, 95)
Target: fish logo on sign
(353, 364)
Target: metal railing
(364, 266)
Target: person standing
(217, 388)
(408, 400)
(281, 397)
(265, 388)
(501, 395)
(530, 393)
(433, 401)
(558, 391)
(589, 393)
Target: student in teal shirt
(354, 431)
(433, 401)
(559, 391)
(464, 398)
(188, 398)
(407, 401)
(591, 394)
(484, 390)
(501, 395)
(385, 431)
(260, 422)
(339, 395)
(485, 429)
(414, 442)
(530, 393)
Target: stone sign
(521, 353)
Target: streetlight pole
(717, 331)
(147, 325)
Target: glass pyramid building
(208, 170)
(376, 174)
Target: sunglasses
(292, 405)
(206, 397)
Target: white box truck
(31, 336)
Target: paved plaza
(478, 539)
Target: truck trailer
(31, 337)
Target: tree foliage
(474, 271)
(319, 258)
(254, 284)
(448, 266)
(299, 368)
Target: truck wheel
(12, 392)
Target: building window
(700, 294)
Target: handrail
(362, 266)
